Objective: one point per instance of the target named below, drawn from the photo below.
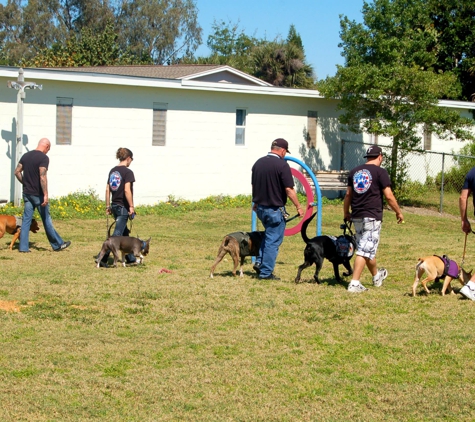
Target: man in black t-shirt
(272, 184)
(367, 184)
(31, 172)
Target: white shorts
(367, 236)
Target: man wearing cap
(272, 184)
(367, 184)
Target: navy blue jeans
(121, 217)
(32, 202)
(273, 221)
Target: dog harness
(451, 268)
(344, 246)
(18, 223)
(243, 240)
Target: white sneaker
(379, 277)
(468, 292)
(356, 288)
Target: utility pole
(20, 85)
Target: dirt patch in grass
(427, 212)
(9, 306)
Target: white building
(195, 130)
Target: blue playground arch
(317, 191)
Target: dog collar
(144, 244)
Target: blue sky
(317, 22)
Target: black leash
(110, 227)
(291, 218)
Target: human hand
(399, 218)
(466, 227)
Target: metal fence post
(441, 209)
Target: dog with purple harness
(438, 267)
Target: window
(64, 114)
(159, 124)
(240, 126)
(427, 138)
(312, 129)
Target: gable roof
(198, 72)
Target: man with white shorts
(367, 184)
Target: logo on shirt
(362, 181)
(115, 180)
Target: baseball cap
(282, 143)
(373, 151)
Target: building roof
(147, 71)
(215, 78)
(203, 72)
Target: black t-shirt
(368, 182)
(270, 176)
(118, 177)
(31, 162)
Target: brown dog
(238, 245)
(437, 267)
(10, 224)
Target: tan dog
(8, 224)
(436, 267)
(238, 245)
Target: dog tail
(305, 224)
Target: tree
(86, 49)
(24, 30)
(454, 22)
(282, 64)
(229, 46)
(162, 29)
(389, 85)
(92, 14)
(293, 37)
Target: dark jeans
(31, 202)
(121, 217)
(274, 223)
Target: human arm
(129, 197)
(18, 173)
(388, 194)
(44, 185)
(347, 204)
(292, 195)
(463, 205)
(108, 200)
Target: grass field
(134, 344)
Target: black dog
(337, 250)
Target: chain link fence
(431, 179)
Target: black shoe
(257, 268)
(270, 277)
(63, 246)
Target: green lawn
(135, 344)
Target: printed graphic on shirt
(362, 181)
(115, 180)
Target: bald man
(31, 172)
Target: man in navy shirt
(467, 189)
(367, 184)
(272, 184)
